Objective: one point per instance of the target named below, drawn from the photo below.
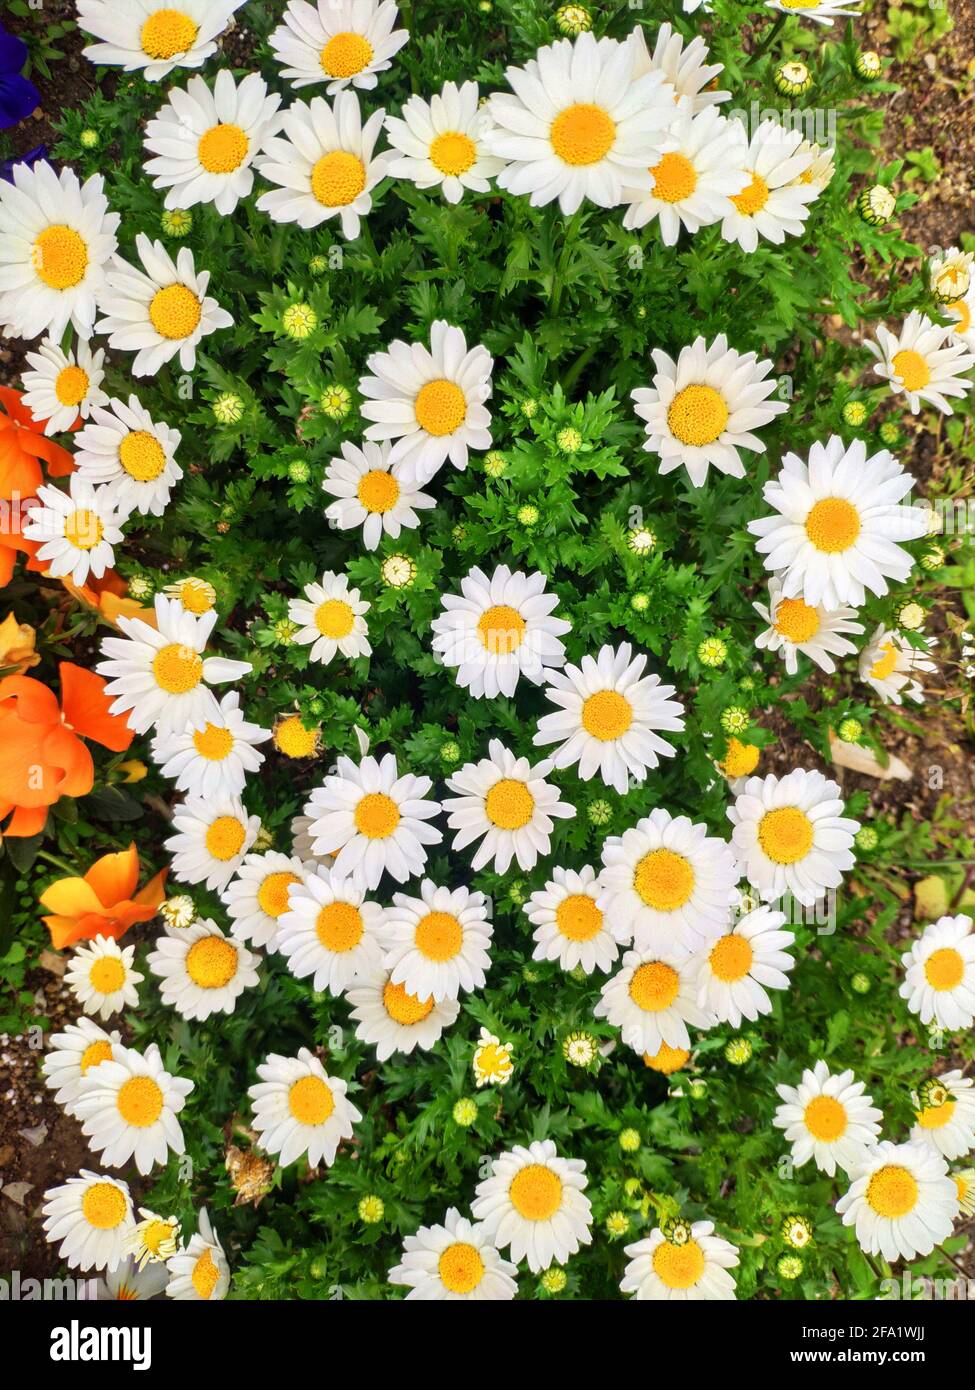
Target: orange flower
(13, 514)
(17, 641)
(101, 903)
(42, 756)
(108, 597)
(22, 445)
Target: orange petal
(26, 822)
(35, 704)
(65, 750)
(113, 877)
(154, 891)
(86, 707)
(72, 897)
(64, 931)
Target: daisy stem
(771, 33)
(58, 863)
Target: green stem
(58, 863)
(771, 34)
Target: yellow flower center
(578, 918)
(225, 838)
(71, 385)
(509, 804)
(99, 1051)
(740, 759)
(936, 1116)
(731, 958)
(439, 936)
(460, 1267)
(786, 834)
(825, 1118)
(142, 456)
(211, 962)
(205, 1275)
(345, 55)
(491, 1060)
(697, 415)
(607, 715)
(60, 257)
(833, 525)
(961, 311)
(440, 407)
(664, 880)
(167, 33)
(107, 975)
(104, 1206)
(404, 1008)
(944, 969)
(501, 629)
(376, 816)
(338, 178)
(310, 1101)
(753, 198)
(536, 1192)
(213, 743)
(582, 134)
(140, 1101)
(667, 1060)
(339, 927)
(83, 529)
(796, 620)
(453, 152)
(378, 491)
(272, 896)
(892, 1191)
(678, 1266)
(155, 1234)
(177, 669)
(912, 369)
(885, 664)
(334, 618)
(197, 596)
(175, 312)
(654, 986)
(293, 740)
(674, 178)
(222, 149)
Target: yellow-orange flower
(104, 902)
(108, 596)
(23, 446)
(17, 641)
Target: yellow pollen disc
(796, 621)
(460, 1267)
(731, 958)
(885, 664)
(294, 740)
(211, 962)
(404, 1008)
(654, 986)
(667, 1060)
(177, 669)
(339, 927)
(83, 529)
(94, 1053)
(155, 1234)
(740, 759)
(142, 456)
(197, 596)
(338, 178)
(376, 816)
(378, 491)
(213, 743)
(439, 936)
(536, 1192)
(453, 152)
(71, 385)
(912, 369)
(697, 415)
(892, 1191)
(310, 1101)
(786, 835)
(104, 1206)
(175, 312)
(107, 975)
(944, 969)
(167, 33)
(509, 804)
(225, 838)
(501, 630)
(345, 55)
(60, 257)
(222, 149)
(833, 525)
(578, 918)
(440, 407)
(674, 178)
(205, 1275)
(272, 896)
(753, 198)
(140, 1101)
(334, 619)
(664, 880)
(678, 1266)
(825, 1118)
(936, 1116)
(582, 134)
(607, 715)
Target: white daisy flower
(579, 122)
(205, 140)
(504, 802)
(77, 529)
(129, 1283)
(159, 676)
(735, 973)
(684, 65)
(773, 205)
(950, 274)
(372, 493)
(570, 926)
(939, 984)
(703, 408)
(128, 1107)
(797, 627)
(71, 1055)
(141, 35)
(257, 896)
(962, 314)
(608, 715)
(62, 387)
(201, 1270)
(839, 525)
(329, 931)
(340, 42)
(373, 820)
(691, 184)
(820, 172)
(499, 628)
(534, 1204)
(324, 164)
(949, 1125)
(331, 619)
(153, 1239)
(902, 1201)
(201, 971)
(56, 238)
(161, 311)
(212, 837)
(455, 1262)
(430, 402)
(90, 1215)
(924, 360)
(441, 142)
(391, 1019)
(822, 11)
(690, 1262)
(790, 835)
(668, 883)
(212, 762)
(123, 448)
(888, 664)
(101, 977)
(302, 840)
(438, 943)
(651, 1000)
(300, 1109)
(828, 1118)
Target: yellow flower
(17, 653)
(133, 769)
(492, 1062)
(740, 759)
(291, 738)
